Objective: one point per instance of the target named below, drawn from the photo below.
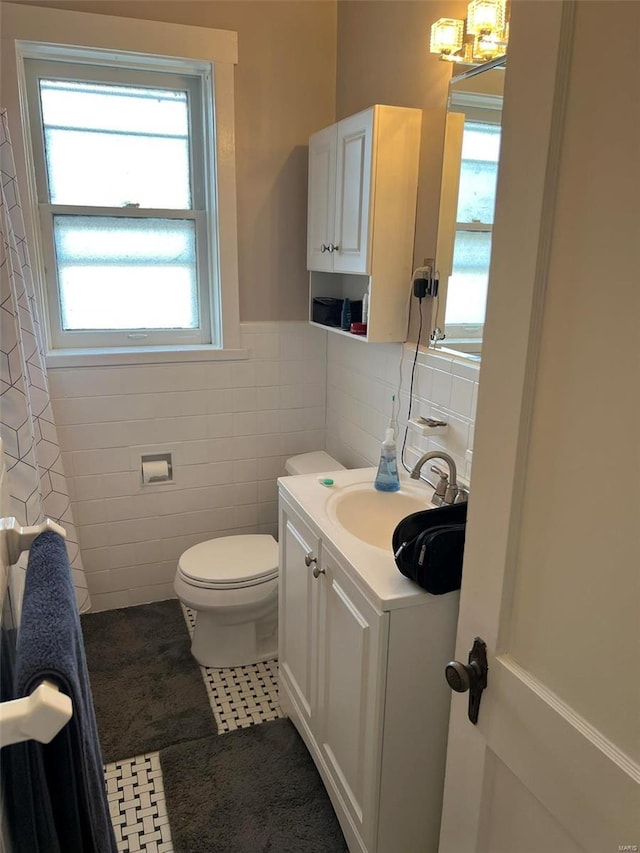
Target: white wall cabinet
(339, 192)
(365, 687)
(363, 179)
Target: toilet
(232, 584)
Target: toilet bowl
(232, 585)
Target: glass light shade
(487, 47)
(486, 16)
(446, 36)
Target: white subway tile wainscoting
(229, 426)
(361, 382)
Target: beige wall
(301, 66)
(383, 57)
(285, 90)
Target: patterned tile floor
(240, 696)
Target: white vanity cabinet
(298, 613)
(352, 637)
(363, 681)
(363, 178)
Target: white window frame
(195, 78)
(29, 32)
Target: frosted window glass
(125, 273)
(467, 289)
(110, 145)
(478, 173)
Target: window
(124, 202)
(467, 287)
(84, 224)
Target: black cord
(413, 373)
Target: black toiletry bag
(428, 547)
(327, 310)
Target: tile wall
(361, 381)
(230, 427)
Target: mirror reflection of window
(467, 203)
(467, 290)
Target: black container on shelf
(327, 310)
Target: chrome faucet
(447, 491)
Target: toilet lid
(231, 561)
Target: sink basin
(372, 516)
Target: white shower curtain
(37, 484)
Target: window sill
(140, 355)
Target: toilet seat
(230, 562)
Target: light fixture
(482, 37)
(446, 37)
(485, 17)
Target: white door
(550, 579)
(353, 192)
(322, 199)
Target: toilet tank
(312, 463)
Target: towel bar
(18, 539)
(39, 716)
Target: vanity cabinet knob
(318, 571)
(324, 248)
(333, 248)
(309, 559)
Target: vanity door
(352, 643)
(298, 616)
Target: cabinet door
(297, 622)
(352, 645)
(322, 198)
(353, 193)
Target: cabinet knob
(324, 248)
(317, 571)
(309, 559)
(333, 247)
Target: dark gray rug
(147, 688)
(250, 791)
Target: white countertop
(372, 568)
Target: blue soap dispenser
(387, 479)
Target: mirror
(467, 202)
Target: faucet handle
(442, 474)
(443, 482)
